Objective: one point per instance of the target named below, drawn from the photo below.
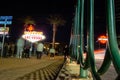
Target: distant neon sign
(103, 39)
(33, 36)
(6, 19)
(4, 30)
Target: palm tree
(55, 21)
(28, 21)
(29, 24)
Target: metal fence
(77, 39)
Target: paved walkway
(12, 68)
(73, 69)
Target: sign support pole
(4, 20)
(3, 39)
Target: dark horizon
(39, 11)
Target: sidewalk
(71, 71)
(12, 68)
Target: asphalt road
(111, 73)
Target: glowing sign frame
(33, 36)
(6, 19)
(4, 30)
(103, 39)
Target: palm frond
(56, 19)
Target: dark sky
(41, 9)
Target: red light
(30, 28)
(103, 39)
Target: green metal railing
(112, 51)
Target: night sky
(39, 10)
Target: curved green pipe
(91, 42)
(112, 39)
(74, 35)
(84, 63)
(78, 27)
(77, 33)
(80, 32)
(112, 52)
(106, 62)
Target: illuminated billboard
(33, 36)
(4, 30)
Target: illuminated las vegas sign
(33, 36)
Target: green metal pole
(73, 39)
(78, 27)
(76, 33)
(3, 39)
(84, 63)
(71, 45)
(81, 31)
(91, 42)
(112, 39)
(83, 73)
(106, 62)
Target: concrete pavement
(74, 69)
(14, 68)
